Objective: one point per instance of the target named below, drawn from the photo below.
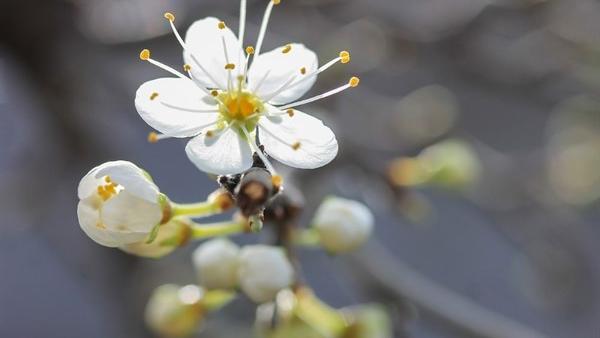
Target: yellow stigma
(187, 67)
(286, 49)
(249, 50)
(296, 145)
(303, 70)
(230, 66)
(345, 56)
(145, 54)
(277, 181)
(354, 81)
(221, 25)
(169, 16)
(276, 2)
(152, 137)
(214, 93)
(153, 96)
(290, 112)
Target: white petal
(317, 145)
(204, 41)
(281, 67)
(131, 177)
(128, 213)
(160, 111)
(222, 154)
(90, 224)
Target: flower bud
(174, 311)
(367, 321)
(342, 224)
(263, 271)
(119, 204)
(216, 263)
(170, 236)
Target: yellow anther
(169, 16)
(100, 225)
(296, 146)
(353, 81)
(290, 112)
(345, 56)
(187, 67)
(277, 181)
(145, 54)
(107, 179)
(276, 2)
(303, 70)
(214, 93)
(250, 50)
(153, 96)
(286, 49)
(230, 66)
(210, 133)
(152, 137)
(221, 25)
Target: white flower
(170, 236)
(263, 271)
(118, 204)
(174, 311)
(342, 224)
(226, 102)
(216, 263)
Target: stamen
(286, 49)
(184, 46)
(221, 25)
(303, 70)
(344, 56)
(154, 137)
(250, 50)
(263, 26)
(259, 152)
(296, 145)
(261, 81)
(290, 112)
(169, 16)
(230, 66)
(145, 55)
(283, 87)
(191, 110)
(353, 82)
(187, 68)
(214, 93)
(277, 181)
(153, 96)
(242, 29)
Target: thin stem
(201, 231)
(200, 209)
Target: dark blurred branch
(401, 280)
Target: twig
(400, 279)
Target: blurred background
(498, 99)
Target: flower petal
(224, 153)
(300, 141)
(128, 213)
(175, 107)
(281, 68)
(132, 178)
(89, 220)
(204, 39)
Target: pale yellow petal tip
(354, 81)
(169, 16)
(344, 56)
(277, 181)
(221, 25)
(145, 54)
(276, 2)
(152, 137)
(250, 50)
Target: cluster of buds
(239, 107)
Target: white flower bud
(118, 204)
(174, 311)
(216, 263)
(342, 224)
(263, 271)
(170, 236)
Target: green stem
(307, 238)
(200, 209)
(214, 300)
(201, 231)
(319, 316)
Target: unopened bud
(216, 263)
(175, 311)
(264, 271)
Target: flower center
(108, 190)
(239, 106)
